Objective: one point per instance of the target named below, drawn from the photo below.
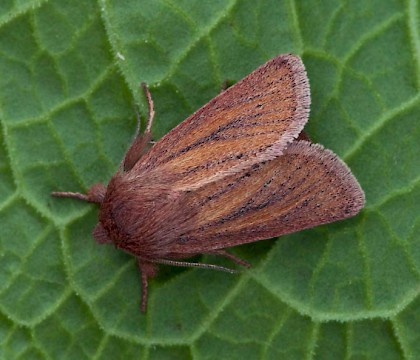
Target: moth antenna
(70, 194)
(151, 107)
(95, 194)
(231, 257)
(193, 265)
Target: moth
(237, 170)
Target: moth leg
(151, 107)
(224, 86)
(147, 269)
(142, 142)
(138, 117)
(303, 136)
(95, 194)
(230, 257)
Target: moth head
(124, 214)
(112, 225)
(101, 235)
(107, 230)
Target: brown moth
(234, 172)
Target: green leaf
(69, 85)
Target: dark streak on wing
(210, 164)
(263, 197)
(239, 122)
(305, 187)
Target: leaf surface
(69, 85)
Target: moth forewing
(252, 121)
